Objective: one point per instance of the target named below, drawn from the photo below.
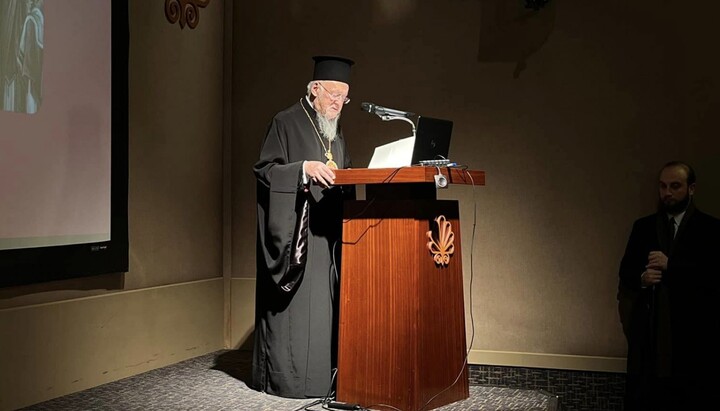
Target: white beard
(328, 128)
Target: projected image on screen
(55, 122)
(21, 53)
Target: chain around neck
(328, 152)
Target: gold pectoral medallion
(330, 163)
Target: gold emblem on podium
(442, 247)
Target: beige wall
(570, 111)
(176, 125)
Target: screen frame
(44, 264)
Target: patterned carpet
(218, 382)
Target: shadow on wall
(510, 32)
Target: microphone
(381, 111)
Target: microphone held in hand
(384, 111)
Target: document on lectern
(391, 155)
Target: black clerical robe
(670, 326)
(295, 331)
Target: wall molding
(547, 361)
(57, 348)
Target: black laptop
(432, 141)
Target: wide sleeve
(278, 185)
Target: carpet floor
(219, 382)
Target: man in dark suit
(668, 279)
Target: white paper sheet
(391, 155)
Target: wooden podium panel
(402, 320)
(382, 176)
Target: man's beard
(676, 208)
(328, 128)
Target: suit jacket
(669, 326)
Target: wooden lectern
(402, 317)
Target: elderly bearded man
(299, 215)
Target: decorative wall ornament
(184, 11)
(444, 247)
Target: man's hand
(319, 173)
(657, 261)
(650, 277)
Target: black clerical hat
(332, 68)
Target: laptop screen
(431, 142)
(432, 139)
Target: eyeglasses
(337, 96)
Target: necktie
(673, 227)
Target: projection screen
(63, 139)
